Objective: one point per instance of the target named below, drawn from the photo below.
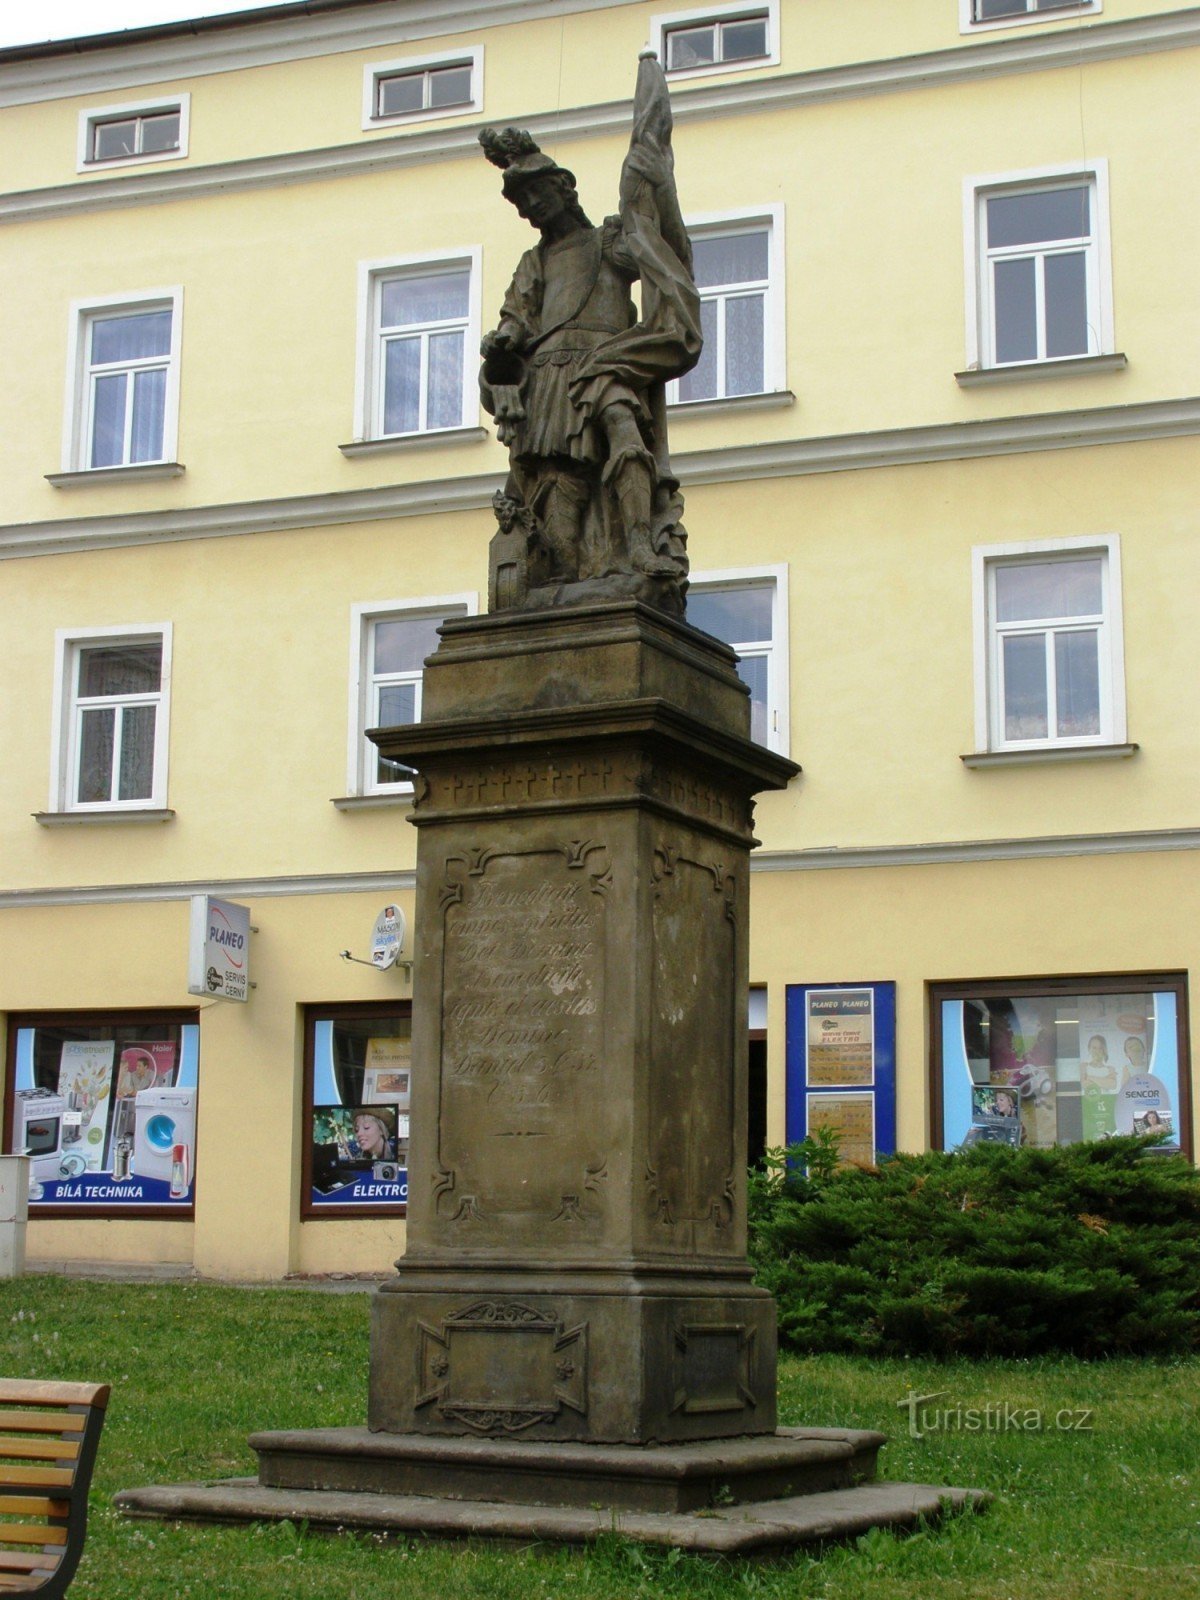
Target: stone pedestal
(576, 1261)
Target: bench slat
(15, 1477)
(29, 1560)
(30, 1505)
(31, 1533)
(42, 1421)
(34, 1392)
(39, 1449)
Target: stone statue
(576, 379)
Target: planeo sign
(219, 949)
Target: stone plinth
(576, 1260)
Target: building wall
(871, 479)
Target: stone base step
(663, 1478)
(767, 1527)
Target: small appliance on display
(38, 1130)
(164, 1125)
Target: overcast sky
(70, 19)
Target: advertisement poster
(852, 1118)
(125, 1136)
(85, 1076)
(361, 1088)
(841, 1037)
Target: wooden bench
(48, 1438)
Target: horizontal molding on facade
(785, 458)
(835, 858)
(998, 57)
(195, 49)
(850, 858)
(115, 894)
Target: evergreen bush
(1092, 1249)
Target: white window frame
(666, 22)
(989, 721)
(361, 754)
(89, 118)
(747, 220)
(368, 406)
(471, 56)
(64, 751)
(77, 404)
(776, 650)
(976, 193)
(967, 22)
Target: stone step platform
(750, 1496)
(658, 1478)
(759, 1528)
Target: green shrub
(1093, 1249)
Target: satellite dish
(387, 938)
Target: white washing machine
(163, 1118)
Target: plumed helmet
(520, 159)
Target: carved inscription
(511, 784)
(523, 1034)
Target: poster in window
(841, 1037)
(359, 1155)
(85, 1077)
(361, 1093)
(852, 1118)
(387, 1072)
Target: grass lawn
(1110, 1513)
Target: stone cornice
(785, 458)
(995, 57)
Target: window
(1053, 649)
(124, 382)
(111, 720)
(421, 87)
(977, 13)
(736, 265)
(131, 135)
(105, 1104)
(1040, 270)
(389, 642)
(422, 322)
(1056, 1060)
(357, 1085)
(747, 609)
(721, 39)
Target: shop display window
(358, 1062)
(1061, 1060)
(104, 1105)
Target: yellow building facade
(939, 465)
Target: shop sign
(219, 949)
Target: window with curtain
(733, 273)
(127, 366)
(420, 349)
(392, 648)
(113, 738)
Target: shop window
(737, 266)
(1051, 659)
(976, 14)
(1040, 268)
(104, 1104)
(124, 390)
(420, 326)
(723, 38)
(389, 642)
(110, 723)
(134, 134)
(841, 1066)
(357, 1083)
(421, 87)
(747, 609)
(1055, 1062)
